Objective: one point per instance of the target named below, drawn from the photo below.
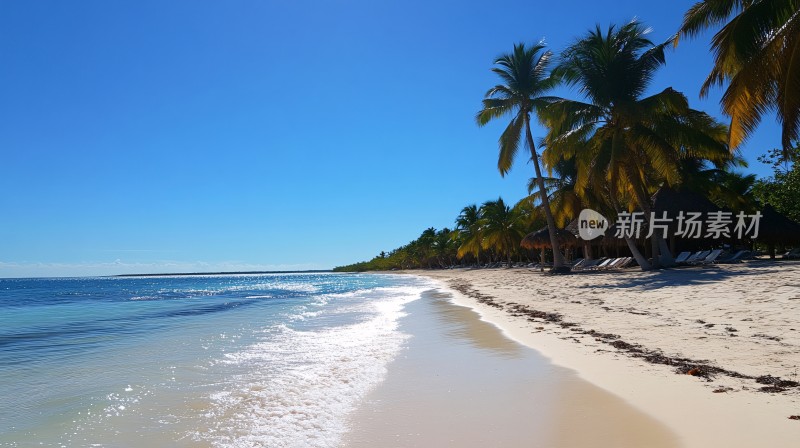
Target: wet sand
(461, 382)
(712, 352)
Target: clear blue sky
(155, 136)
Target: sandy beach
(712, 353)
(460, 382)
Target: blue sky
(152, 136)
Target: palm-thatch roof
(541, 239)
(673, 202)
(776, 228)
(610, 239)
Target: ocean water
(275, 360)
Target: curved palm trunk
(643, 263)
(640, 259)
(644, 204)
(667, 259)
(558, 259)
(662, 256)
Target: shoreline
(601, 316)
(461, 382)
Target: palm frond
(509, 144)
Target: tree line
(612, 145)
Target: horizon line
(174, 274)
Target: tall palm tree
(633, 143)
(565, 201)
(525, 77)
(468, 232)
(758, 53)
(502, 228)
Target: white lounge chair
(792, 254)
(682, 257)
(737, 257)
(698, 256)
(627, 262)
(604, 264)
(710, 258)
(615, 264)
(586, 264)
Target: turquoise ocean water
(231, 360)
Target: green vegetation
(756, 53)
(526, 81)
(622, 143)
(486, 234)
(782, 190)
(614, 147)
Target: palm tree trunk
(644, 204)
(667, 260)
(558, 259)
(587, 250)
(643, 263)
(640, 259)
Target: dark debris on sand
(775, 384)
(684, 366)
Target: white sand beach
(713, 353)
(461, 383)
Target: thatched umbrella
(774, 228)
(673, 202)
(541, 239)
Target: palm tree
(757, 53)
(565, 200)
(443, 247)
(502, 228)
(425, 246)
(526, 80)
(468, 232)
(630, 142)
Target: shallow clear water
(240, 360)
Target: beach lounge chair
(691, 257)
(615, 264)
(792, 254)
(604, 264)
(586, 264)
(735, 258)
(710, 258)
(625, 263)
(698, 256)
(682, 257)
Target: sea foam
(300, 385)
